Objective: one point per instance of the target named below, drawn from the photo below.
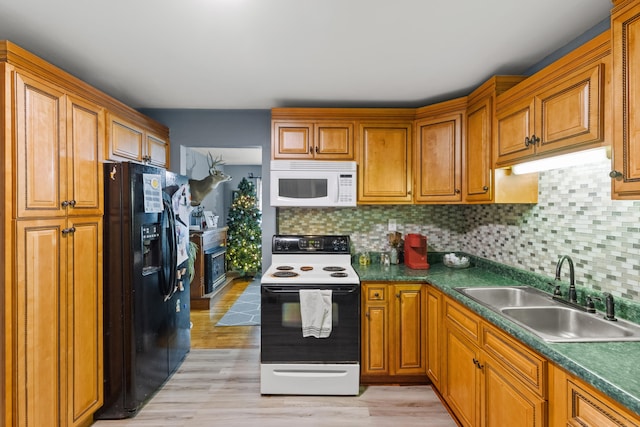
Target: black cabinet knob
(615, 174)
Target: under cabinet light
(563, 161)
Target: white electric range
(327, 363)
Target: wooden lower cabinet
(461, 388)
(59, 321)
(572, 402)
(504, 402)
(488, 379)
(393, 333)
(434, 347)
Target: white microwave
(313, 183)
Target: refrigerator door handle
(170, 276)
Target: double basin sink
(549, 319)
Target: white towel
(315, 312)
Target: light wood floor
(219, 385)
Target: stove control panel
(310, 244)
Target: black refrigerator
(146, 284)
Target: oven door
(281, 329)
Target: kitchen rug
(246, 310)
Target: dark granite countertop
(611, 367)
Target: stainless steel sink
(507, 296)
(551, 320)
(564, 324)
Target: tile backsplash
(574, 216)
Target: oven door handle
(294, 290)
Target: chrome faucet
(573, 296)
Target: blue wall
(224, 129)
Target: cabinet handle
(615, 174)
(66, 231)
(398, 295)
(317, 149)
(531, 141)
(310, 150)
(65, 203)
(72, 203)
(477, 363)
(377, 295)
(457, 191)
(485, 188)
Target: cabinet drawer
(376, 293)
(586, 409)
(463, 320)
(524, 364)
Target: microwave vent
(308, 165)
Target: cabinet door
(40, 148)
(462, 378)
(625, 26)
(477, 152)
(124, 140)
(384, 172)
(375, 331)
(292, 140)
(434, 336)
(438, 159)
(409, 341)
(84, 319)
(507, 403)
(571, 113)
(515, 124)
(575, 403)
(40, 291)
(85, 142)
(334, 141)
(157, 151)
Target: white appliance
(313, 183)
(291, 363)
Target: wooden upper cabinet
(625, 28)
(127, 140)
(40, 148)
(477, 151)
(515, 129)
(438, 157)
(157, 150)
(334, 141)
(59, 141)
(313, 140)
(384, 163)
(85, 142)
(292, 140)
(571, 114)
(560, 109)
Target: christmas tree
(244, 236)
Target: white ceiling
(259, 54)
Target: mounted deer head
(200, 188)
